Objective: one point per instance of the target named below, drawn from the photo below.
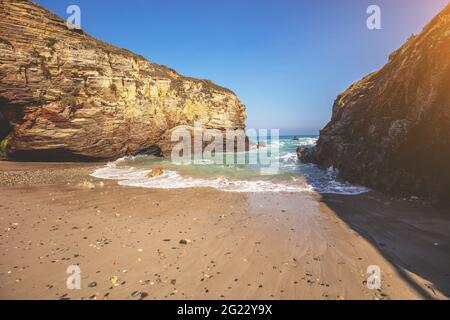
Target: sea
(286, 173)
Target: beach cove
(202, 243)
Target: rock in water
(391, 130)
(65, 95)
(300, 151)
(158, 171)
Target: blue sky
(287, 59)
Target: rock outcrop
(65, 95)
(391, 130)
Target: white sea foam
(289, 157)
(328, 183)
(308, 141)
(336, 187)
(293, 177)
(173, 180)
(132, 177)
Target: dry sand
(126, 241)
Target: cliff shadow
(413, 237)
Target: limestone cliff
(65, 95)
(391, 130)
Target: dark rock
(391, 130)
(305, 155)
(143, 295)
(135, 294)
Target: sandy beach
(137, 243)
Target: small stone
(92, 284)
(144, 295)
(135, 294)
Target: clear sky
(286, 59)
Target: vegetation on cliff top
(4, 145)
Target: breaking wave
(292, 176)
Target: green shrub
(4, 145)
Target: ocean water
(290, 176)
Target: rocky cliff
(391, 130)
(65, 95)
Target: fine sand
(126, 241)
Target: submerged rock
(391, 130)
(158, 171)
(65, 95)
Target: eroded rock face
(391, 130)
(65, 95)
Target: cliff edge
(65, 95)
(391, 130)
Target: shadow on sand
(413, 237)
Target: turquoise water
(289, 175)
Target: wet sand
(126, 241)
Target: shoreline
(126, 241)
